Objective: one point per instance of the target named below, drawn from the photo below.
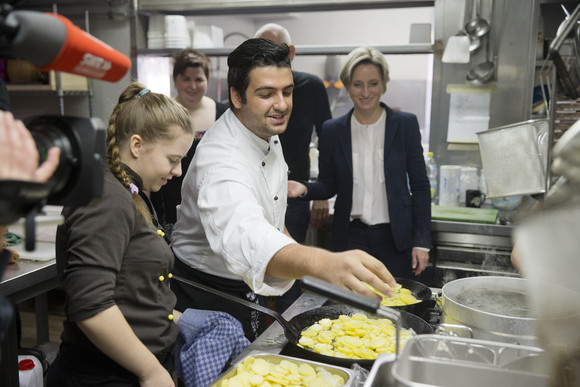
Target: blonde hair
(149, 115)
(368, 55)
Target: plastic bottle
(30, 371)
(432, 173)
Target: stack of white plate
(177, 34)
(156, 32)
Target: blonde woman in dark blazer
(371, 158)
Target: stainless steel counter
(472, 228)
(26, 279)
(471, 249)
(22, 281)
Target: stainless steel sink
(436, 360)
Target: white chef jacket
(231, 219)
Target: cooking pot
(300, 322)
(495, 308)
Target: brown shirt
(108, 255)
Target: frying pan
(298, 323)
(420, 291)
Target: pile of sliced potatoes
(263, 373)
(401, 296)
(356, 337)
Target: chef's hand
(296, 189)
(18, 153)
(350, 269)
(420, 260)
(319, 214)
(347, 269)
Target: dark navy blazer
(407, 185)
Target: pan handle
(339, 294)
(285, 324)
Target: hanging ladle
(477, 26)
(483, 72)
(474, 44)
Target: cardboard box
(70, 82)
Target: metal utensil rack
(555, 77)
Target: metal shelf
(41, 90)
(408, 49)
(207, 7)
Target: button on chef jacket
(231, 219)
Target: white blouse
(369, 194)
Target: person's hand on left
(18, 154)
(420, 260)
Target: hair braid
(149, 115)
(113, 153)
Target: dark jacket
(107, 255)
(311, 108)
(406, 181)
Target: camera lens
(78, 181)
(48, 136)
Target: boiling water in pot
(498, 301)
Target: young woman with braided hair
(113, 262)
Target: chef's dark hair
(253, 53)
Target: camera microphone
(52, 42)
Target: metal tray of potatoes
(327, 370)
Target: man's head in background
(276, 33)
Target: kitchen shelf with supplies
(144, 11)
(56, 84)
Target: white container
(469, 180)
(208, 36)
(30, 371)
(177, 34)
(449, 181)
(156, 32)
